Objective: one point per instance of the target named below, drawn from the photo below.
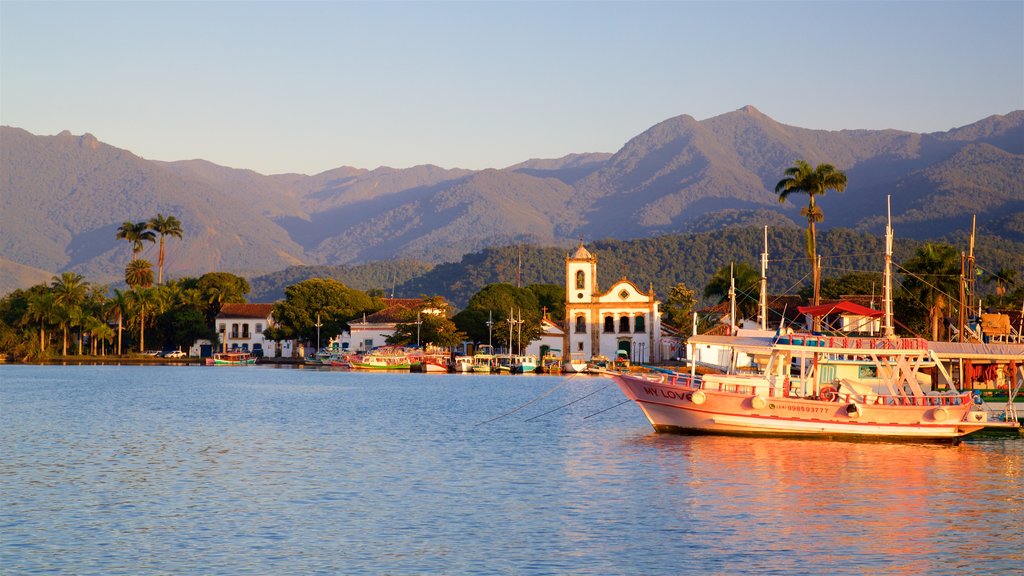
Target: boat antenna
(732, 301)
(887, 330)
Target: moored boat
(230, 358)
(384, 358)
(524, 364)
(892, 405)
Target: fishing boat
(483, 359)
(891, 404)
(430, 363)
(524, 364)
(383, 358)
(230, 358)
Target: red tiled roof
(245, 311)
(395, 310)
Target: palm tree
(164, 226)
(932, 275)
(139, 273)
(41, 308)
(136, 233)
(1007, 276)
(801, 178)
(142, 300)
(748, 288)
(103, 334)
(119, 305)
(69, 291)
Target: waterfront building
(551, 340)
(373, 330)
(240, 328)
(603, 323)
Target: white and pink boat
(891, 404)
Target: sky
(305, 87)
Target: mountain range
(64, 196)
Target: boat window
(580, 280)
(638, 324)
(624, 324)
(609, 324)
(581, 325)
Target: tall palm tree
(102, 334)
(119, 305)
(803, 179)
(136, 233)
(142, 301)
(932, 277)
(139, 273)
(164, 226)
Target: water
(253, 470)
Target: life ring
(698, 397)
(828, 394)
(853, 410)
(940, 414)
(758, 402)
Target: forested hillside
(661, 261)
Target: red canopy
(843, 307)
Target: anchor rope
(520, 407)
(568, 404)
(609, 408)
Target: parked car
(174, 354)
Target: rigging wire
(520, 407)
(608, 408)
(569, 404)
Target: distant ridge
(65, 195)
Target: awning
(840, 308)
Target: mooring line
(569, 404)
(609, 408)
(514, 410)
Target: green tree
(932, 276)
(748, 288)
(863, 283)
(679, 305)
(427, 325)
(1003, 278)
(164, 226)
(215, 289)
(136, 234)
(502, 304)
(42, 309)
(119, 305)
(803, 179)
(550, 297)
(296, 315)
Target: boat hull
(671, 407)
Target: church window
(609, 324)
(581, 325)
(624, 324)
(581, 279)
(638, 324)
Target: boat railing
(816, 341)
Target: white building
(241, 326)
(373, 330)
(551, 340)
(603, 323)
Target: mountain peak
(748, 109)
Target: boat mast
(887, 330)
(763, 308)
(970, 269)
(732, 301)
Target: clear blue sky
(309, 86)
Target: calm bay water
(253, 470)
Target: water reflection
(176, 470)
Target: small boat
(575, 365)
(524, 364)
(230, 358)
(384, 358)
(430, 363)
(502, 363)
(463, 364)
(891, 404)
(483, 359)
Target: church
(603, 323)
